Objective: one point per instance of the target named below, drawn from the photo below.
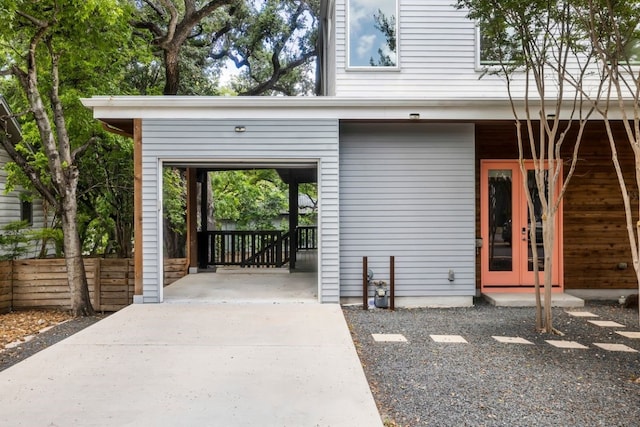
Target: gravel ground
(11, 356)
(487, 383)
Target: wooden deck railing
(307, 237)
(261, 248)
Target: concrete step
(505, 299)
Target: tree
(105, 197)
(251, 199)
(55, 50)
(171, 25)
(270, 41)
(536, 51)
(273, 43)
(613, 29)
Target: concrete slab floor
(258, 287)
(196, 364)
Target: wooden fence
(42, 283)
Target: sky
(364, 38)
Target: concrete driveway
(196, 364)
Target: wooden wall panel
(595, 236)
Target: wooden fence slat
(97, 283)
(42, 283)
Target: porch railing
(261, 248)
(307, 237)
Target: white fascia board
(200, 107)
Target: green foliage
(14, 241)
(174, 198)
(105, 201)
(273, 45)
(18, 240)
(47, 237)
(252, 199)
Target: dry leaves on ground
(17, 325)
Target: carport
(206, 134)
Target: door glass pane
(537, 207)
(500, 220)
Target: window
(495, 47)
(372, 33)
(26, 211)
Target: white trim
(160, 225)
(162, 162)
(319, 217)
(196, 107)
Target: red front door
(507, 253)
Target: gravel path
(487, 383)
(11, 356)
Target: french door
(507, 251)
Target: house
(12, 207)
(414, 156)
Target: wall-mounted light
(414, 116)
(452, 276)
(240, 129)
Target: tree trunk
(76, 275)
(172, 71)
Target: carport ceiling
(289, 172)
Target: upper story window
(373, 29)
(495, 47)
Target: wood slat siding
(437, 57)
(216, 140)
(407, 190)
(42, 283)
(595, 236)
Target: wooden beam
(192, 218)
(293, 223)
(137, 205)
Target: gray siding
(407, 190)
(264, 140)
(10, 205)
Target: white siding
(437, 57)
(407, 190)
(263, 140)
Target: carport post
(293, 223)
(192, 218)
(137, 210)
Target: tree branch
(80, 150)
(32, 174)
